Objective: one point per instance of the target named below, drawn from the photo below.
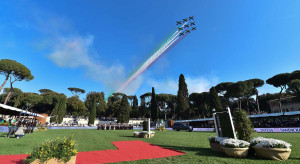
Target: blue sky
(95, 45)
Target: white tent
(19, 110)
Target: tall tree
(215, 100)
(76, 107)
(92, 113)
(280, 80)
(222, 89)
(236, 90)
(45, 91)
(294, 85)
(16, 96)
(145, 105)
(165, 104)
(60, 108)
(134, 113)
(76, 91)
(124, 115)
(100, 102)
(15, 71)
(113, 104)
(182, 99)
(7, 68)
(256, 84)
(154, 107)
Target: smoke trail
(166, 46)
(147, 63)
(168, 49)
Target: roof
(18, 110)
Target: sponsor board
(194, 129)
(66, 127)
(3, 129)
(278, 130)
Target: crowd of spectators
(275, 122)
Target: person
(11, 126)
(20, 132)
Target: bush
(243, 125)
(61, 149)
(4, 124)
(269, 143)
(145, 126)
(234, 143)
(162, 128)
(215, 139)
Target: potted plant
(214, 142)
(271, 148)
(145, 134)
(235, 148)
(54, 152)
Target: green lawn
(194, 144)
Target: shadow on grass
(126, 136)
(200, 151)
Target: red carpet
(12, 159)
(127, 151)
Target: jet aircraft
(178, 22)
(187, 31)
(194, 28)
(186, 26)
(180, 34)
(180, 28)
(184, 20)
(192, 23)
(191, 18)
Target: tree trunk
(280, 99)
(7, 98)
(257, 103)
(248, 105)
(4, 83)
(238, 103)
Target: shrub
(145, 126)
(162, 128)
(61, 149)
(4, 124)
(215, 139)
(243, 125)
(269, 143)
(234, 143)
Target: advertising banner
(3, 129)
(278, 130)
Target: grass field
(194, 144)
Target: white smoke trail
(149, 61)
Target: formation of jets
(187, 27)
